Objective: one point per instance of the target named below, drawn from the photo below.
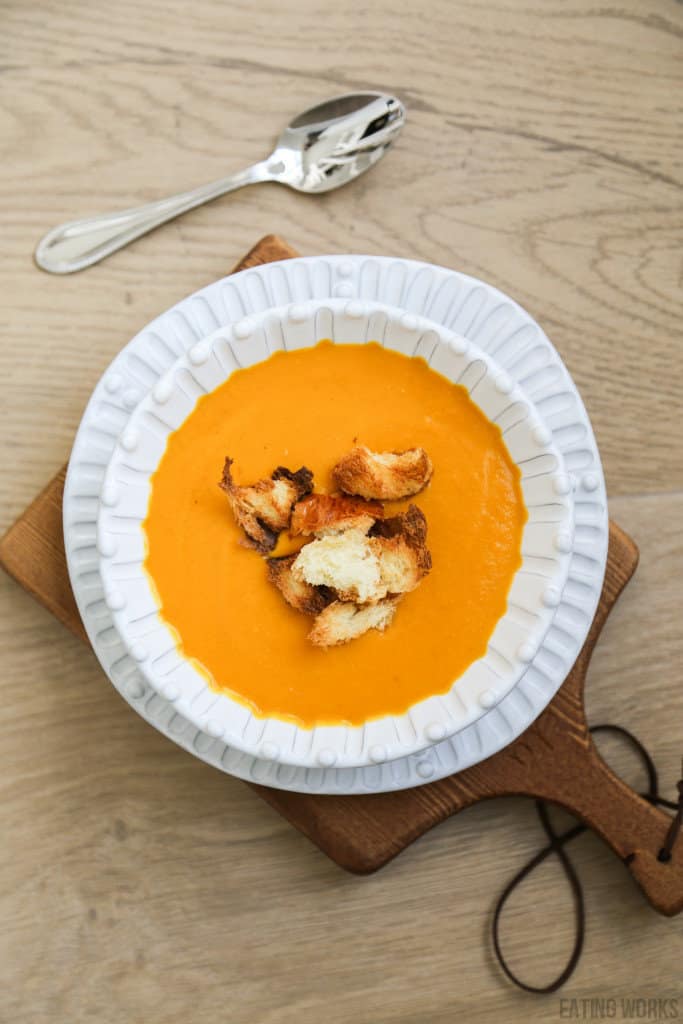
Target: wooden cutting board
(555, 759)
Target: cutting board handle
(629, 824)
(567, 769)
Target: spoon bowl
(334, 142)
(321, 149)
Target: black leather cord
(556, 844)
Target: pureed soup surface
(309, 407)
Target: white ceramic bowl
(535, 592)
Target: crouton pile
(358, 563)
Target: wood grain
(543, 152)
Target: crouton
(341, 622)
(401, 545)
(296, 592)
(401, 566)
(410, 524)
(326, 513)
(345, 562)
(264, 508)
(385, 476)
(365, 569)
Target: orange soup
(309, 407)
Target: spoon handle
(80, 243)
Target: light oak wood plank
(543, 152)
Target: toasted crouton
(401, 566)
(326, 513)
(264, 508)
(401, 545)
(385, 476)
(410, 524)
(365, 569)
(296, 592)
(345, 562)
(341, 622)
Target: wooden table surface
(543, 152)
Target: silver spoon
(321, 149)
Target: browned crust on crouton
(296, 592)
(259, 535)
(320, 512)
(263, 509)
(411, 524)
(384, 476)
(405, 536)
(302, 479)
(402, 566)
(364, 569)
(343, 621)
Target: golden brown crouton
(363, 569)
(327, 513)
(341, 621)
(401, 566)
(296, 592)
(344, 562)
(402, 549)
(410, 524)
(385, 476)
(264, 508)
